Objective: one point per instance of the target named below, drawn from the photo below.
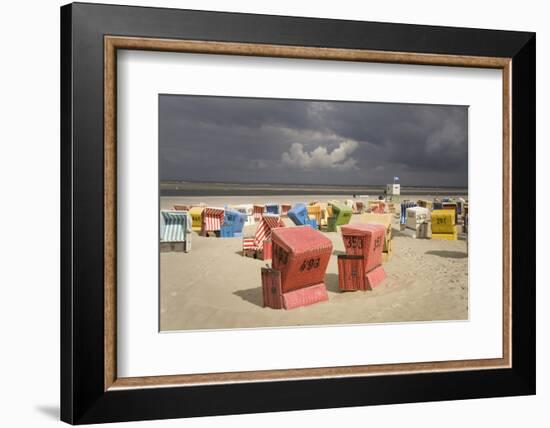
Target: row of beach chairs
(229, 221)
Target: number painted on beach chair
(354, 242)
(281, 255)
(310, 264)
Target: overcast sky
(293, 141)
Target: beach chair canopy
(301, 254)
(174, 226)
(234, 220)
(298, 214)
(342, 213)
(263, 231)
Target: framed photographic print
(267, 213)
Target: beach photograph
(286, 212)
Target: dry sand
(214, 287)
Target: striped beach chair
(253, 246)
(212, 220)
(175, 227)
(404, 206)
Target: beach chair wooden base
(273, 296)
(375, 277)
(175, 247)
(305, 296)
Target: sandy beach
(215, 287)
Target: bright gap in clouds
(320, 157)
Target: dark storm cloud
(268, 140)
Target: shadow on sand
(397, 232)
(448, 254)
(331, 282)
(251, 295)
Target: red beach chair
(367, 241)
(212, 220)
(300, 259)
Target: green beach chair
(342, 213)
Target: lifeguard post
(393, 190)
